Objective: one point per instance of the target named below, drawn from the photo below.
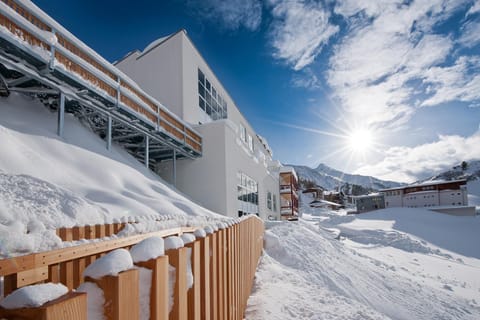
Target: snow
(189, 268)
(188, 238)
(173, 242)
(200, 233)
(148, 249)
(171, 286)
(209, 230)
(396, 263)
(95, 300)
(110, 264)
(154, 44)
(145, 279)
(33, 295)
(75, 180)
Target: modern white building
(236, 174)
(428, 194)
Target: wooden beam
(36, 260)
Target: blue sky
(384, 88)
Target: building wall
(421, 199)
(204, 179)
(452, 198)
(393, 198)
(169, 72)
(158, 72)
(429, 198)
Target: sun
(360, 140)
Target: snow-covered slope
(391, 264)
(330, 178)
(57, 182)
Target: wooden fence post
(66, 268)
(205, 280)
(213, 276)
(194, 292)
(121, 295)
(178, 259)
(159, 291)
(71, 306)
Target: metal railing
(33, 30)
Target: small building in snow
(369, 202)
(288, 194)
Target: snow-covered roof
(366, 195)
(265, 144)
(288, 169)
(155, 43)
(426, 183)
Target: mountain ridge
(330, 178)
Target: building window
(247, 195)
(269, 200)
(274, 201)
(210, 101)
(243, 133)
(250, 142)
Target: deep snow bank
(48, 182)
(313, 270)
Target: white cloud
(474, 8)
(409, 164)
(306, 79)
(470, 34)
(376, 68)
(458, 82)
(299, 31)
(232, 14)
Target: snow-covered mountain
(330, 178)
(470, 170)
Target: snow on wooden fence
(89, 232)
(223, 264)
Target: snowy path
(308, 274)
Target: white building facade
(429, 194)
(236, 174)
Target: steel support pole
(174, 167)
(109, 132)
(61, 115)
(147, 150)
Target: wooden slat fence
(98, 74)
(223, 265)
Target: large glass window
(247, 195)
(210, 100)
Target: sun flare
(360, 140)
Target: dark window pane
(201, 76)
(201, 103)
(207, 85)
(201, 90)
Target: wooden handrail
(42, 259)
